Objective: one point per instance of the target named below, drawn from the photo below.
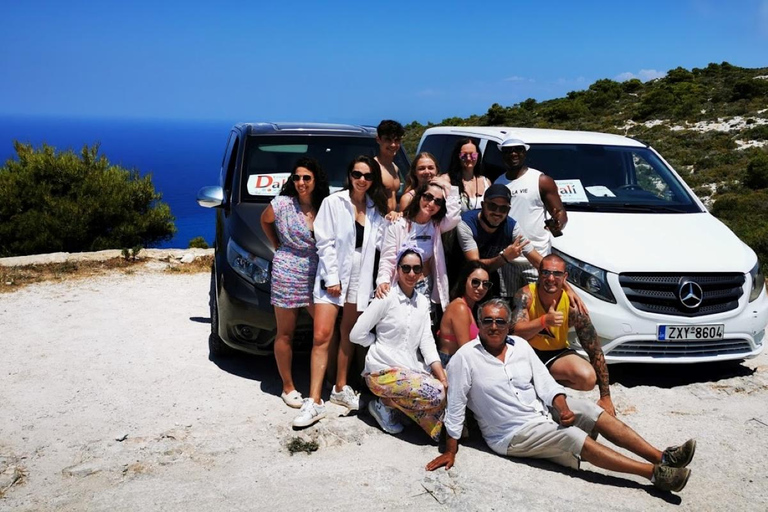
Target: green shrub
(747, 215)
(198, 243)
(757, 172)
(59, 201)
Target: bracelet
(501, 253)
(543, 323)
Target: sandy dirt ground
(108, 401)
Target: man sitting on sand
(523, 412)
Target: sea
(181, 156)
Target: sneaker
(679, 456)
(310, 413)
(385, 417)
(346, 397)
(292, 399)
(668, 478)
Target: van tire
(216, 347)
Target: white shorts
(350, 294)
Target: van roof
(307, 128)
(537, 135)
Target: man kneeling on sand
(523, 412)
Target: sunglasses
(367, 176)
(489, 321)
(407, 269)
(515, 149)
(493, 208)
(556, 273)
(432, 199)
(468, 156)
(477, 283)
(301, 177)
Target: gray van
(258, 159)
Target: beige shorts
(548, 440)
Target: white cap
(512, 143)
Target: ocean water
(181, 156)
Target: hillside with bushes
(710, 124)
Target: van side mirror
(210, 197)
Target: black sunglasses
(556, 273)
(301, 177)
(489, 321)
(514, 149)
(477, 283)
(407, 269)
(492, 207)
(367, 176)
(430, 198)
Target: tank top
(549, 338)
(527, 209)
(359, 232)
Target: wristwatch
(501, 253)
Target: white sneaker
(346, 397)
(292, 399)
(309, 414)
(385, 417)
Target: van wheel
(216, 346)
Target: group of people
(456, 296)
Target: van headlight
(589, 278)
(250, 267)
(758, 282)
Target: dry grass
(15, 278)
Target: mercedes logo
(690, 294)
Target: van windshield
(269, 159)
(611, 178)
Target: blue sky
(349, 61)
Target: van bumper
(628, 335)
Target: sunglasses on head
(492, 207)
(367, 176)
(408, 268)
(468, 156)
(432, 199)
(301, 177)
(477, 283)
(547, 273)
(489, 321)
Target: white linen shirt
(335, 241)
(504, 396)
(402, 328)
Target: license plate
(690, 332)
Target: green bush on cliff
(53, 201)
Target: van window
(441, 146)
(611, 178)
(492, 162)
(269, 159)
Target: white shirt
(335, 241)
(402, 328)
(527, 208)
(504, 396)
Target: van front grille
(669, 349)
(661, 292)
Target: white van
(664, 281)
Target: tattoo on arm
(522, 301)
(591, 345)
